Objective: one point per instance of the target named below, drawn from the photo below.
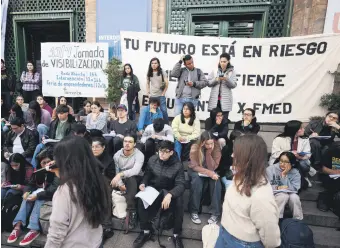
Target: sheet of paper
(336, 176)
(284, 191)
(148, 196)
(109, 135)
(50, 141)
(37, 191)
(202, 175)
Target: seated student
(62, 101)
(248, 123)
(293, 139)
(112, 114)
(283, 175)
(17, 174)
(82, 114)
(15, 111)
(21, 139)
(21, 102)
(96, 119)
(149, 113)
(204, 159)
(41, 188)
(217, 125)
(153, 134)
(120, 127)
(38, 118)
(164, 173)
(59, 128)
(329, 126)
(80, 130)
(186, 128)
(129, 161)
(330, 199)
(224, 169)
(44, 105)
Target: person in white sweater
(250, 216)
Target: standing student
(157, 84)
(31, 83)
(129, 85)
(7, 84)
(81, 203)
(190, 82)
(250, 217)
(221, 83)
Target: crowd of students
(99, 154)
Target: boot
(132, 220)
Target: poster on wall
(74, 69)
(281, 78)
(332, 21)
(117, 15)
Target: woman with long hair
(62, 101)
(44, 105)
(284, 176)
(97, 119)
(250, 216)
(222, 82)
(205, 158)
(293, 139)
(82, 202)
(186, 128)
(15, 111)
(82, 114)
(31, 84)
(129, 85)
(248, 124)
(157, 85)
(38, 118)
(17, 175)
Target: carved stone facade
(91, 15)
(158, 16)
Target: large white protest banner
(281, 78)
(74, 69)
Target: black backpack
(9, 210)
(295, 233)
(164, 220)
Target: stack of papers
(284, 191)
(50, 141)
(148, 196)
(336, 176)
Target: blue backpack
(296, 234)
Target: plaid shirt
(30, 81)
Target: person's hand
(335, 125)
(219, 120)
(295, 153)
(314, 134)
(166, 201)
(246, 123)
(336, 172)
(140, 132)
(217, 79)
(16, 186)
(182, 139)
(223, 78)
(31, 197)
(282, 187)
(11, 93)
(3, 184)
(215, 177)
(115, 180)
(142, 187)
(182, 57)
(190, 84)
(7, 155)
(120, 136)
(163, 94)
(286, 170)
(122, 188)
(25, 195)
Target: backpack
(9, 210)
(164, 220)
(44, 218)
(295, 233)
(119, 205)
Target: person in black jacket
(41, 188)
(248, 123)
(217, 125)
(7, 84)
(164, 173)
(28, 138)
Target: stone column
(158, 16)
(90, 15)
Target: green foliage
(114, 72)
(330, 101)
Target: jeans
(162, 100)
(304, 167)
(225, 239)
(42, 130)
(6, 191)
(131, 185)
(179, 104)
(226, 182)
(8, 98)
(25, 208)
(183, 150)
(196, 192)
(38, 149)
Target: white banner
(74, 69)
(281, 78)
(332, 21)
(4, 8)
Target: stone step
(313, 216)
(326, 237)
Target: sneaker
(13, 236)
(312, 171)
(213, 219)
(309, 183)
(195, 218)
(177, 242)
(29, 237)
(142, 239)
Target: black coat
(252, 128)
(29, 141)
(54, 125)
(108, 168)
(168, 175)
(51, 183)
(221, 129)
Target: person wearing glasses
(248, 123)
(317, 129)
(285, 180)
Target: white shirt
(17, 146)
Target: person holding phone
(221, 84)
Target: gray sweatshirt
(292, 180)
(166, 133)
(131, 165)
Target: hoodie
(292, 180)
(212, 127)
(146, 117)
